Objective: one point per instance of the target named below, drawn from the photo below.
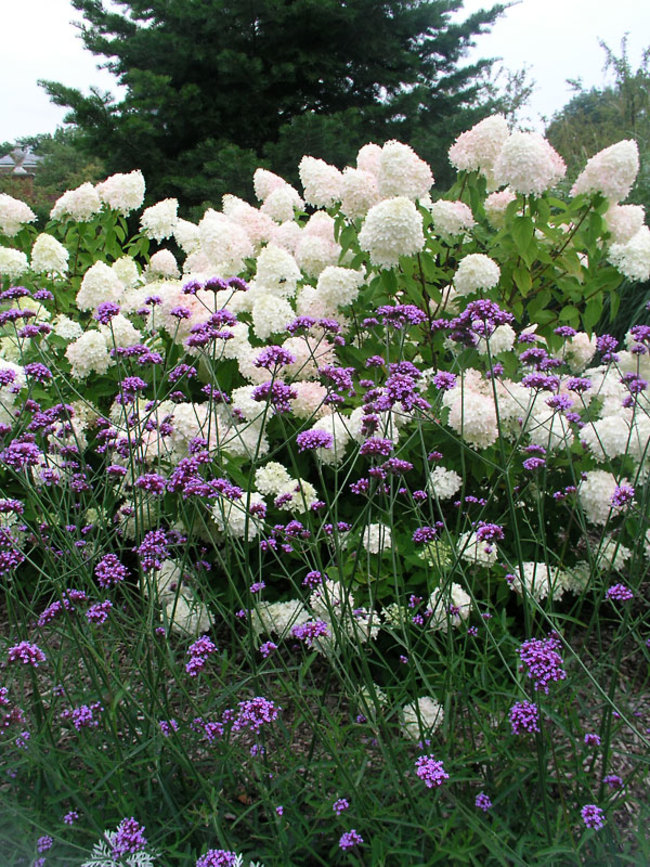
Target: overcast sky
(555, 39)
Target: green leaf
(523, 233)
(523, 280)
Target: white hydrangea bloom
(624, 221)
(476, 551)
(595, 493)
(120, 332)
(608, 437)
(126, 271)
(578, 351)
(234, 517)
(186, 615)
(474, 272)
(359, 194)
(443, 483)
(449, 605)
(225, 242)
(271, 315)
(257, 224)
(338, 287)
(335, 425)
(100, 284)
(287, 235)
(314, 253)
(478, 147)
(402, 173)
(68, 329)
(472, 415)
(451, 218)
(393, 228)
(282, 203)
(88, 354)
(123, 192)
(421, 718)
(633, 258)
(528, 164)
(272, 478)
(163, 264)
(277, 272)
(13, 263)
(309, 400)
(322, 183)
(368, 158)
(549, 429)
(159, 221)
(612, 555)
(187, 236)
(278, 617)
(538, 581)
(13, 215)
(80, 204)
(265, 182)
(611, 171)
(502, 339)
(376, 538)
(49, 256)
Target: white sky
(555, 39)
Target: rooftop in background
(19, 161)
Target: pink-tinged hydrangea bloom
(611, 171)
(393, 228)
(478, 147)
(528, 164)
(632, 259)
(402, 172)
(475, 272)
(495, 207)
(624, 221)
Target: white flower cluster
(13, 215)
(421, 718)
(444, 483)
(13, 263)
(49, 256)
(451, 218)
(528, 164)
(376, 538)
(448, 605)
(393, 228)
(80, 204)
(611, 171)
(474, 272)
(159, 221)
(122, 192)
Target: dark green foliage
(214, 87)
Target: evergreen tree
(214, 88)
